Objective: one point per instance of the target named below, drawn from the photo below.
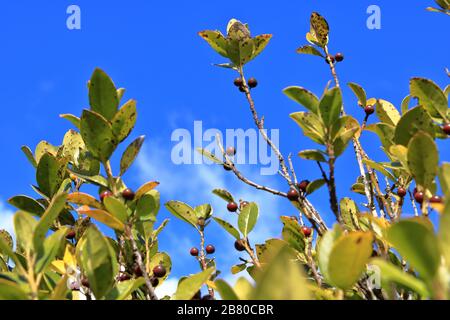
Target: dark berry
(239, 245)
(159, 271)
(446, 128)
(303, 185)
(241, 89)
(194, 252)
(306, 231)
(436, 199)
(197, 296)
(369, 110)
(401, 192)
(210, 249)
(137, 271)
(85, 282)
(232, 207)
(207, 297)
(128, 194)
(231, 151)
(418, 196)
(227, 167)
(71, 234)
(154, 281)
(252, 83)
(105, 194)
(329, 58)
(238, 82)
(124, 277)
(339, 57)
(293, 195)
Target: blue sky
(152, 49)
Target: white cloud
(167, 288)
(193, 184)
(6, 218)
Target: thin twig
(202, 257)
(138, 257)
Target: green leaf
(27, 204)
(228, 228)
(124, 289)
(106, 218)
(444, 235)
(358, 188)
(216, 40)
(349, 257)
(72, 119)
(310, 50)
(50, 249)
(444, 177)
(417, 243)
(359, 93)
(189, 286)
(146, 188)
(116, 208)
(292, 234)
(304, 97)
(125, 120)
(103, 94)
(224, 194)
(72, 145)
(430, 97)
(282, 279)
(259, 44)
(209, 156)
(311, 125)
(423, 159)
(315, 185)
(416, 119)
(130, 154)
(6, 248)
(182, 211)
(29, 154)
(315, 155)
(238, 268)
(385, 132)
(330, 106)
(380, 168)
(24, 226)
(84, 199)
(98, 260)
(225, 290)
(48, 218)
(98, 135)
(95, 179)
(203, 211)
(247, 218)
(349, 213)
(50, 174)
(386, 112)
(325, 246)
(148, 206)
(342, 131)
(319, 30)
(10, 290)
(391, 273)
(405, 104)
(42, 148)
